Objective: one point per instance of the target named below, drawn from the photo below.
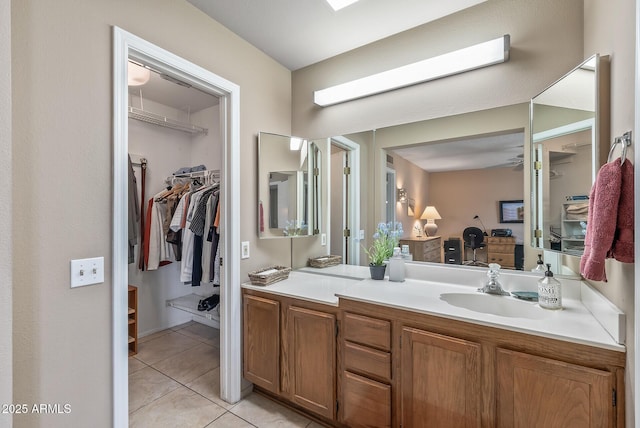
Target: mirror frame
(599, 150)
(262, 215)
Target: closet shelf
(156, 119)
(189, 303)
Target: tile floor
(174, 381)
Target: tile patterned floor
(174, 381)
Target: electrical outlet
(323, 239)
(244, 254)
(87, 271)
(361, 234)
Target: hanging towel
(610, 220)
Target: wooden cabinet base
(366, 403)
(388, 367)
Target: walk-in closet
(174, 270)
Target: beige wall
(601, 17)
(416, 182)
(460, 195)
(6, 177)
(62, 121)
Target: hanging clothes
(133, 211)
(143, 166)
(610, 223)
(160, 250)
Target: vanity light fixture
(430, 214)
(137, 75)
(402, 195)
(473, 57)
(339, 4)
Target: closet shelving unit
(189, 302)
(132, 318)
(572, 231)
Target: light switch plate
(323, 239)
(87, 271)
(245, 250)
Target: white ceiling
(495, 151)
(173, 95)
(298, 33)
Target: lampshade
(137, 75)
(430, 213)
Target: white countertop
(574, 323)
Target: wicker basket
(325, 261)
(269, 275)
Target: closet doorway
(223, 157)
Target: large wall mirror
(569, 123)
(288, 187)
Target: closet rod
(156, 119)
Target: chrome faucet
(493, 285)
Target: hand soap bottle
(396, 266)
(539, 269)
(549, 292)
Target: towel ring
(625, 140)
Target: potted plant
(386, 237)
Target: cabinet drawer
(501, 240)
(367, 361)
(433, 255)
(501, 259)
(367, 331)
(501, 248)
(366, 403)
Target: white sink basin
(503, 306)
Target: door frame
(125, 46)
(354, 193)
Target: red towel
(610, 220)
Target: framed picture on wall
(511, 211)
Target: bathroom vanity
(351, 351)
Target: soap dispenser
(539, 269)
(396, 266)
(549, 292)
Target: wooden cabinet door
(311, 360)
(261, 342)
(440, 381)
(540, 392)
(365, 402)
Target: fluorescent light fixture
(473, 57)
(339, 4)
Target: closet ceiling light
(473, 57)
(137, 75)
(339, 4)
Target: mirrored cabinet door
(569, 129)
(288, 187)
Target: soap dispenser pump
(549, 291)
(539, 269)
